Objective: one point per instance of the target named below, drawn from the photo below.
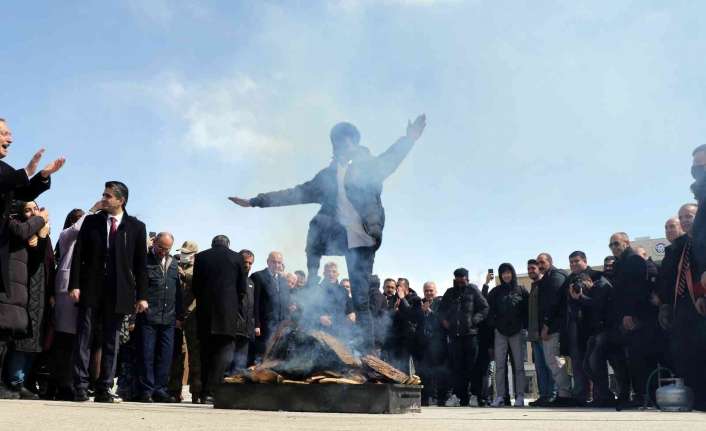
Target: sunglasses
(613, 244)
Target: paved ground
(59, 416)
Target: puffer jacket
(463, 308)
(14, 320)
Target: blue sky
(550, 124)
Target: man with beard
(351, 219)
(681, 293)
(545, 382)
(462, 309)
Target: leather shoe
(8, 394)
(195, 399)
(25, 394)
(106, 397)
(80, 396)
(144, 398)
(163, 398)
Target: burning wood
(299, 357)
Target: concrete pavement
(59, 416)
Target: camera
(579, 285)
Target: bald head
(672, 229)
(687, 214)
(619, 242)
(163, 243)
(275, 262)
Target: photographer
(590, 295)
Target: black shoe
(24, 393)
(541, 402)
(144, 398)
(208, 400)
(8, 394)
(81, 395)
(64, 394)
(482, 402)
(163, 398)
(563, 402)
(195, 399)
(106, 397)
(441, 403)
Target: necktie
(684, 270)
(113, 231)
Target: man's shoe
(541, 402)
(208, 400)
(195, 399)
(498, 402)
(163, 398)
(144, 398)
(519, 401)
(24, 393)
(81, 395)
(8, 394)
(106, 397)
(482, 402)
(564, 402)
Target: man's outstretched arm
(306, 193)
(393, 156)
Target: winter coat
(463, 308)
(633, 289)
(552, 300)
(220, 288)
(65, 309)
(363, 183)
(163, 292)
(592, 309)
(14, 320)
(14, 184)
(508, 308)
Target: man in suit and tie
(272, 302)
(220, 288)
(108, 281)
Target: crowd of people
(110, 300)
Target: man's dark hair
(345, 279)
(300, 273)
(579, 254)
(611, 258)
(532, 262)
(388, 280)
(245, 252)
(220, 241)
(344, 130)
(403, 280)
(699, 149)
(119, 189)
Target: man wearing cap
(351, 218)
(108, 281)
(186, 334)
(462, 309)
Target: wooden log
(385, 369)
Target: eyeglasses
(162, 248)
(613, 244)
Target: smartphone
(490, 271)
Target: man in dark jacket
(407, 318)
(552, 314)
(220, 286)
(158, 324)
(109, 281)
(351, 219)
(634, 315)
(462, 309)
(24, 185)
(433, 347)
(679, 292)
(272, 299)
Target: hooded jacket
(464, 308)
(363, 183)
(508, 305)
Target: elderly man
(21, 184)
(156, 326)
(272, 299)
(672, 229)
(433, 346)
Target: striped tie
(684, 270)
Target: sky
(551, 124)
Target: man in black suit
(220, 287)
(15, 184)
(108, 281)
(272, 302)
(635, 317)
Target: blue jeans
(545, 382)
(156, 346)
(17, 366)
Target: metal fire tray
(320, 398)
